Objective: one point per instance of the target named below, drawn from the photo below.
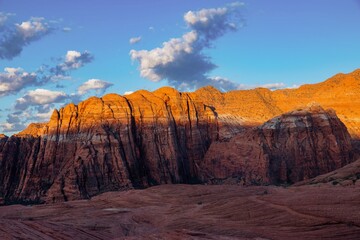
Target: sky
(56, 52)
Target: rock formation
(109, 143)
(298, 145)
(165, 136)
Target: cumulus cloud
(16, 36)
(213, 23)
(72, 60)
(128, 92)
(173, 61)
(134, 40)
(39, 97)
(94, 84)
(13, 80)
(181, 61)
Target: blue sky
(55, 52)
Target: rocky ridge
(150, 138)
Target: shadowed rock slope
(348, 175)
(165, 136)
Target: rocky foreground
(324, 211)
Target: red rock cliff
(148, 138)
(109, 143)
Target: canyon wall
(149, 138)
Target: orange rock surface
(245, 107)
(256, 106)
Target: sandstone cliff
(109, 143)
(150, 138)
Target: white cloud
(134, 40)
(214, 22)
(32, 28)
(71, 56)
(94, 84)
(39, 97)
(73, 60)
(181, 61)
(205, 16)
(13, 80)
(171, 51)
(44, 96)
(128, 92)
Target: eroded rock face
(298, 145)
(109, 143)
(149, 138)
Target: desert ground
(318, 211)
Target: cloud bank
(181, 61)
